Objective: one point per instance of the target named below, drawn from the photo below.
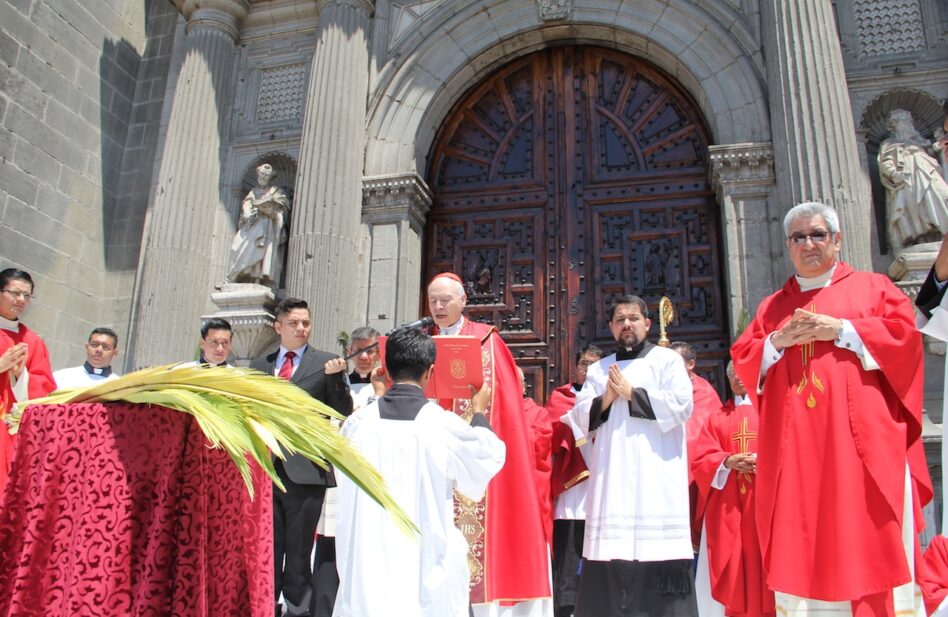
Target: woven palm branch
(247, 413)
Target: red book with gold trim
(457, 366)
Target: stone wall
(70, 102)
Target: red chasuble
(734, 560)
(706, 403)
(835, 439)
(41, 384)
(569, 467)
(541, 435)
(508, 554)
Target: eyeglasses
(18, 294)
(818, 237)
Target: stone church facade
(554, 153)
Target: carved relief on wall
(890, 27)
(281, 93)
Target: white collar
(452, 330)
(741, 400)
(13, 325)
(816, 282)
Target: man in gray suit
(296, 512)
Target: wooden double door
(566, 179)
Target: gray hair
(363, 334)
(808, 210)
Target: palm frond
(248, 414)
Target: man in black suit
(296, 512)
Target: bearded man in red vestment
(730, 577)
(24, 361)
(833, 363)
(509, 558)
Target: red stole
(41, 384)
(569, 467)
(508, 556)
(835, 440)
(734, 559)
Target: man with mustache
(833, 363)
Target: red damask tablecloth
(116, 509)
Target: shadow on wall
(131, 88)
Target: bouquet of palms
(245, 412)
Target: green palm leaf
(248, 414)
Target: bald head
(446, 301)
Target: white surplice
(637, 502)
(383, 571)
(78, 377)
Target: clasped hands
(617, 387)
(14, 359)
(742, 463)
(806, 327)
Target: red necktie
(286, 370)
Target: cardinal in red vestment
(509, 557)
(833, 363)
(24, 361)
(724, 469)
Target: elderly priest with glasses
(833, 363)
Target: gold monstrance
(666, 313)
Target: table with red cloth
(120, 509)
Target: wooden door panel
(568, 178)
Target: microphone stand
(424, 322)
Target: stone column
(394, 208)
(813, 131)
(174, 269)
(324, 244)
(743, 177)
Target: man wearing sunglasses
(833, 362)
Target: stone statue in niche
(256, 254)
(916, 192)
(655, 268)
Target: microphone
(424, 322)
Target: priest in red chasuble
(509, 557)
(833, 363)
(24, 361)
(730, 577)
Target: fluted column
(324, 245)
(175, 277)
(813, 132)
